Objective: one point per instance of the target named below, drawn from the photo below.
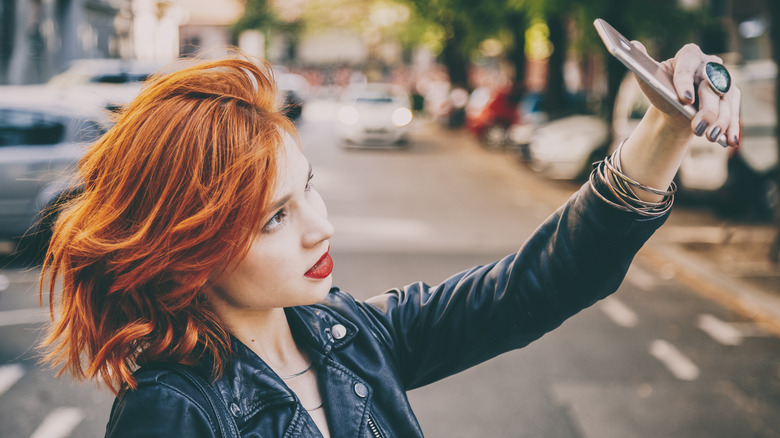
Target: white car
(565, 148)
(107, 83)
(42, 137)
(374, 114)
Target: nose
(317, 227)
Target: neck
(267, 333)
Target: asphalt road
(654, 360)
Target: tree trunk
(615, 69)
(454, 59)
(457, 68)
(555, 95)
(774, 34)
(515, 20)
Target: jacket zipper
(373, 427)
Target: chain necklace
(299, 373)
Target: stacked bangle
(610, 174)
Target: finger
(687, 64)
(721, 124)
(639, 46)
(709, 108)
(733, 132)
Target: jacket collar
(248, 385)
(320, 328)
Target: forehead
(292, 162)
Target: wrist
(672, 127)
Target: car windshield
(22, 127)
(375, 98)
(120, 78)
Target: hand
(716, 115)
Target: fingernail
(736, 140)
(701, 128)
(688, 95)
(714, 133)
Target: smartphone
(646, 68)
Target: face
(288, 263)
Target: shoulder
(148, 410)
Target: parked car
(565, 148)
(734, 179)
(491, 113)
(293, 91)
(108, 83)
(374, 114)
(41, 140)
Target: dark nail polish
(714, 133)
(688, 95)
(701, 128)
(736, 140)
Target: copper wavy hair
(171, 194)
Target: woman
(199, 240)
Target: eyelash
(281, 215)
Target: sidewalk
(728, 262)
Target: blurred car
(107, 83)
(491, 114)
(293, 90)
(565, 148)
(41, 140)
(374, 114)
(736, 180)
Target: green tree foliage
(258, 15)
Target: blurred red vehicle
(490, 115)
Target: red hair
(172, 194)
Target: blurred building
(39, 37)
(205, 27)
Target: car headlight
(401, 117)
(348, 115)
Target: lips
(322, 268)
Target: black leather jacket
(369, 354)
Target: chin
(319, 291)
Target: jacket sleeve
(157, 411)
(576, 257)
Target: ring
(717, 77)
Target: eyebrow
(284, 199)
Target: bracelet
(610, 174)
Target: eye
(309, 184)
(275, 222)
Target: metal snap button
(235, 410)
(361, 390)
(338, 331)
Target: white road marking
(59, 423)
(9, 374)
(723, 332)
(618, 312)
(682, 367)
(730, 333)
(23, 316)
(641, 278)
(4, 282)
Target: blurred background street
(441, 134)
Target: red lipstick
(322, 268)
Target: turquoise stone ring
(718, 78)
